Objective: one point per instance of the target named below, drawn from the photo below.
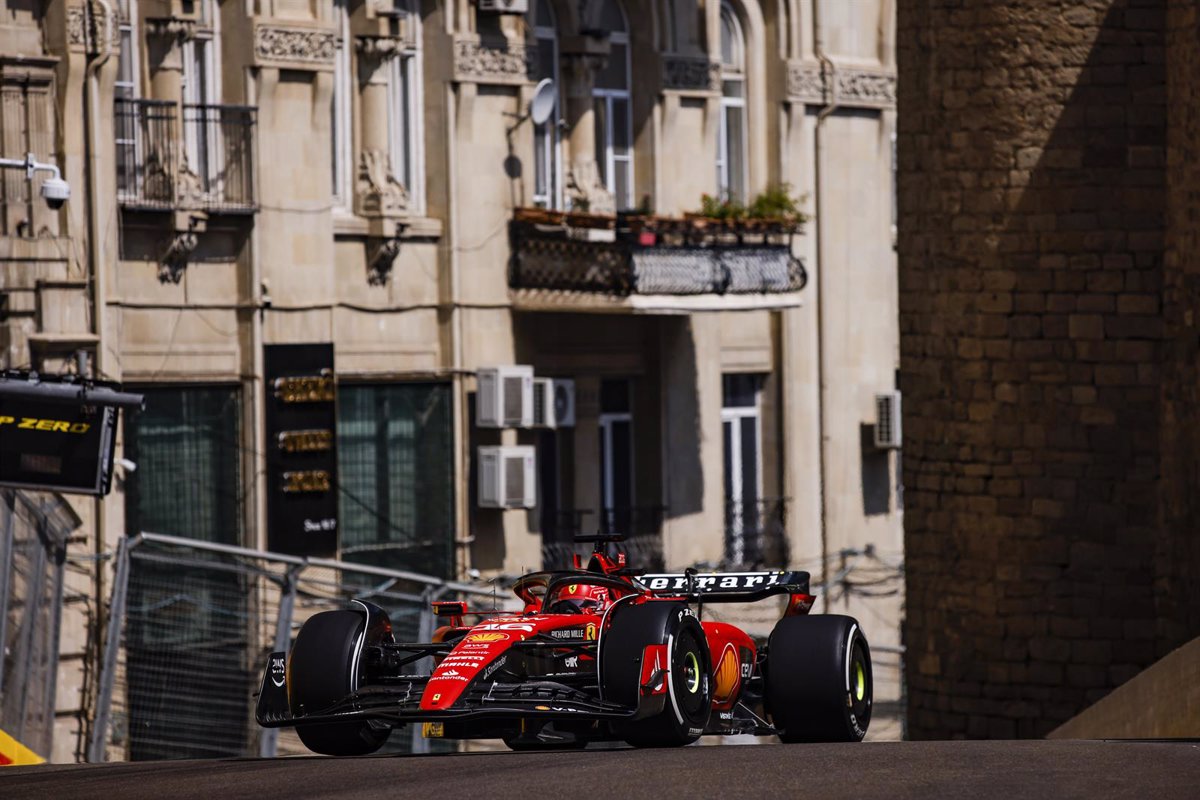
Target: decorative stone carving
(294, 48)
(179, 30)
(866, 88)
(805, 82)
(478, 63)
(379, 193)
(381, 255)
(851, 87)
(691, 74)
(586, 191)
(378, 48)
(174, 259)
(84, 34)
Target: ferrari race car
(602, 653)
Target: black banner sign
(55, 446)
(302, 497)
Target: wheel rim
(691, 672)
(860, 687)
(690, 678)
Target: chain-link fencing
(191, 626)
(34, 527)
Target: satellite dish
(545, 97)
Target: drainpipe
(96, 272)
(831, 105)
(463, 537)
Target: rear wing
(726, 587)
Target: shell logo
(487, 637)
(727, 677)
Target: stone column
(584, 187)
(378, 193)
(164, 45)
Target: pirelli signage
(58, 436)
(302, 501)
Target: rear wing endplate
(726, 587)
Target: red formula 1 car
(604, 653)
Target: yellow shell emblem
(728, 676)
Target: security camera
(56, 191)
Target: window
(731, 134)
(201, 89)
(547, 163)
(614, 124)
(191, 433)
(742, 428)
(616, 457)
(126, 85)
(340, 115)
(396, 476)
(404, 120)
(185, 623)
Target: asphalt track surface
(970, 770)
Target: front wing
(398, 700)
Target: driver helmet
(584, 598)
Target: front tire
(818, 679)
(689, 696)
(325, 666)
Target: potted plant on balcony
(772, 211)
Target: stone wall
(1046, 416)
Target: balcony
(206, 163)
(756, 533)
(651, 264)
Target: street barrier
(34, 527)
(191, 624)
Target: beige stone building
(367, 174)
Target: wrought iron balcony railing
(207, 163)
(756, 533)
(628, 255)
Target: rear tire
(689, 697)
(320, 673)
(818, 679)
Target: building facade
(1047, 219)
(367, 174)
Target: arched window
(614, 124)
(547, 163)
(731, 136)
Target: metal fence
(756, 533)
(34, 527)
(191, 625)
(206, 162)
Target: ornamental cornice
(293, 47)
(850, 87)
(690, 74)
(475, 62)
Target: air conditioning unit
(507, 477)
(553, 403)
(504, 6)
(887, 420)
(505, 397)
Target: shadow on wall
(1032, 227)
(684, 471)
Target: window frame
(732, 71)
(406, 141)
(547, 138)
(341, 112)
(607, 160)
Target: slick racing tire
(688, 700)
(320, 673)
(818, 679)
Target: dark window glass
(614, 396)
(187, 450)
(396, 476)
(740, 390)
